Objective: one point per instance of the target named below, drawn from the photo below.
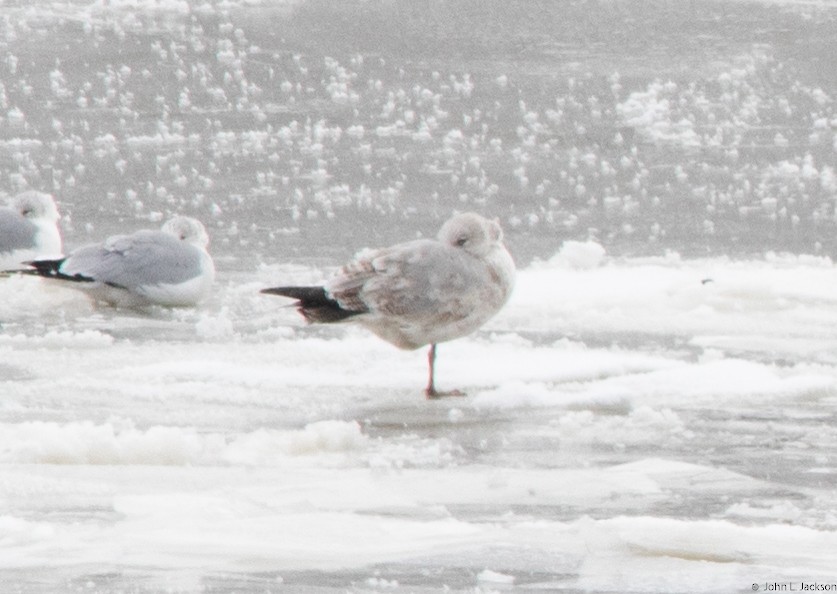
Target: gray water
(241, 116)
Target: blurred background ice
(703, 127)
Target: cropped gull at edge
(29, 230)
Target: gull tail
(314, 304)
(52, 269)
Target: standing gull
(419, 292)
(169, 267)
(28, 230)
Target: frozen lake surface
(655, 410)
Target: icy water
(654, 411)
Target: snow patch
(119, 442)
(325, 437)
(579, 255)
(84, 442)
(59, 339)
(495, 577)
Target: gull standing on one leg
(420, 292)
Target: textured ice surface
(654, 410)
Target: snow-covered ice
(652, 411)
(671, 434)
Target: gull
(419, 292)
(169, 267)
(28, 229)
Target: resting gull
(28, 229)
(169, 267)
(420, 292)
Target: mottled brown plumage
(419, 292)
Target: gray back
(141, 259)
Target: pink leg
(430, 391)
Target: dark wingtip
(272, 291)
(307, 295)
(313, 303)
(52, 269)
(44, 267)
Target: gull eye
(461, 240)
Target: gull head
(36, 206)
(187, 229)
(471, 232)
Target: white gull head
(187, 229)
(471, 232)
(33, 228)
(36, 206)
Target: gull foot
(435, 395)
